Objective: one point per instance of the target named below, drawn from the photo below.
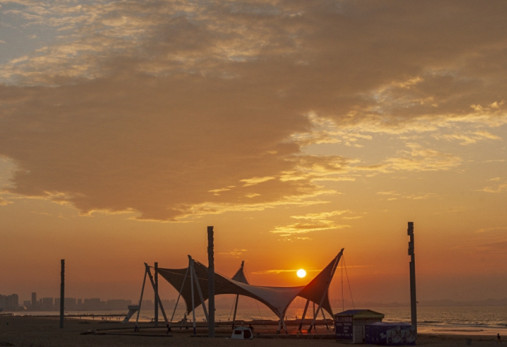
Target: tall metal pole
(413, 298)
(156, 295)
(62, 292)
(211, 284)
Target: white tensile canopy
(277, 299)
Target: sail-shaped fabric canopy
(277, 299)
(240, 275)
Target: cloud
(236, 252)
(175, 108)
(155, 146)
(281, 271)
(311, 222)
(4, 202)
(392, 196)
(255, 180)
(472, 138)
(497, 185)
(487, 242)
(273, 271)
(418, 158)
(316, 197)
(500, 230)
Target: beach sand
(45, 332)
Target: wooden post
(156, 295)
(62, 292)
(211, 284)
(413, 298)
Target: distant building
(47, 304)
(9, 302)
(35, 305)
(117, 304)
(71, 304)
(94, 304)
(148, 304)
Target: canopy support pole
(136, 328)
(179, 294)
(237, 295)
(315, 315)
(199, 291)
(325, 320)
(304, 315)
(235, 310)
(157, 298)
(324, 295)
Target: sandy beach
(45, 332)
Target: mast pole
(211, 284)
(191, 265)
(156, 295)
(413, 297)
(62, 292)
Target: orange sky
(126, 128)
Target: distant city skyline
(12, 302)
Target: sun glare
(301, 273)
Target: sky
(295, 128)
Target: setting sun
(301, 273)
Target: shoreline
(423, 328)
(45, 331)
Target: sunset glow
(301, 273)
(295, 129)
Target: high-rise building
(9, 302)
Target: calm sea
(478, 320)
(481, 320)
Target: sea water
(481, 320)
(474, 320)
